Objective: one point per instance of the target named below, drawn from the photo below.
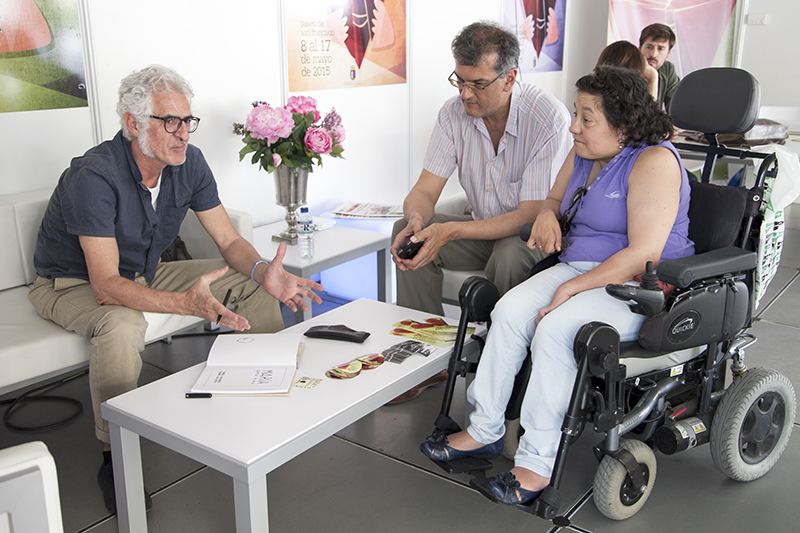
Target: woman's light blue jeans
(553, 363)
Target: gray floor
(371, 476)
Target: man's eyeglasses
(460, 84)
(569, 214)
(173, 124)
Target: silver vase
(290, 192)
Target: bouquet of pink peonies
(292, 136)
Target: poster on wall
(334, 44)
(703, 30)
(41, 56)
(539, 26)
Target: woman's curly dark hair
(627, 104)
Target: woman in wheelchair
(620, 199)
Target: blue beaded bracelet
(253, 270)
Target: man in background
(656, 42)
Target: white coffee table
(333, 247)
(247, 437)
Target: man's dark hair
(627, 104)
(475, 42)
(657, 32)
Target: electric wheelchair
(668, 391)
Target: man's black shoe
(105, 478)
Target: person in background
(656, 42)
(113, 213)
(507, 140)
(621, 199)
(624, 54)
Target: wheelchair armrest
(477, 298)
(685, 271)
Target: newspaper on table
(365, 210)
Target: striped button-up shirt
(533, 147)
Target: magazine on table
(365, 210)
(250, 364)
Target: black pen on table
(224, 304)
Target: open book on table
(250, 364)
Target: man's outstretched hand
(286, 287)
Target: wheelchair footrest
(468, 465)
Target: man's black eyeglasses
(173, 124)
(569, 214)
(459, 84)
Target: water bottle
(305, 234)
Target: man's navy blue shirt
(101, 195)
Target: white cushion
(29, 208)
(453, 204)
(12, 272)
(199, 242)
(34, 347)
(452, 281)
(638, 366)
(162, 325)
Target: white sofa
(32, 348)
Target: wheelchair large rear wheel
(614, 493)
(752, 424)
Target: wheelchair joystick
(646, 299)
(649, 278)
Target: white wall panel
(768, 51)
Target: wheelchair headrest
(716, 100)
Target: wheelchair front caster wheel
(752, 424)
(614, 492)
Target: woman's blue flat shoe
(506, 489)
(437, 449)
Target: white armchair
(29, 490)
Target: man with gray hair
(111, 216)
(508, 141)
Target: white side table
(332, 247)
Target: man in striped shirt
(508, 141)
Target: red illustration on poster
(22, 27)
(540, 14)
(345, 43)
(539, 25)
